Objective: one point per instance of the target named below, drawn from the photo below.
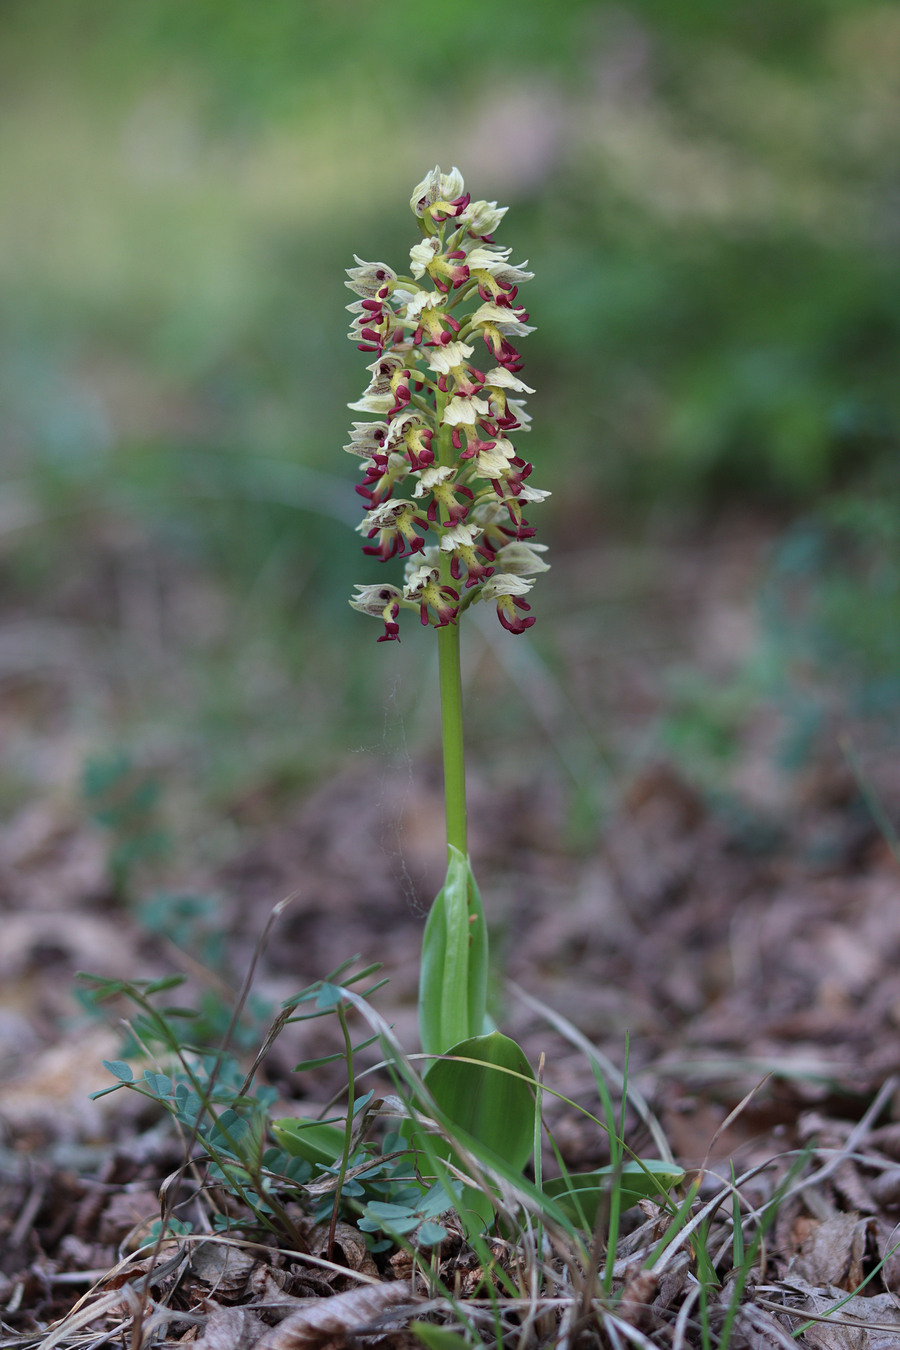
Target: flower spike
(442, 421)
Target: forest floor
(745, 948)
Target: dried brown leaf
(350, 1248)
(637, 1295)
(859, 1323)
(224, 1267)
(852, 1188)
(885, 1187)
(128, 1212)
(672, 1283)
(833, 1253)
(762, 1330)
(887, 1138)
(887, 1244)
(278, 1290)
(231, 1329)
(153, 1270)
(331, 1321)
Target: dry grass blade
(854, 1139)
(616, 1326)
(731, 1118)
(834, 1319)
(88, 1308)
(606, 1066)
(66, 1329)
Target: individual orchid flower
(521, 559)
(481, 219)
(367, 439)
(459, 542)
(507, 589)
(439, 193)
(447, 359)
(447, 270)
(370, 279)
(394, 523)
(384, 603)
(425, 589)
(464, 408)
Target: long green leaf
(579, 1193)
(319, 1142)
(436, 1338)
(454, 969)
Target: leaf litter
(742, 960)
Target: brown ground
(739, 951)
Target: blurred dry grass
(709, 212)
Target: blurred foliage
(831, 613)
(124, 800)
(826, 661)
(707, 194)
(191, 922)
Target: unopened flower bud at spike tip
(444, 418)
(437, 187)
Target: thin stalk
(538, 1142)
(451, 683)
(452, 737)
(348, 1131)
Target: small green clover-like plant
(328, 1165)
(191, 921)
(380, 1189)
(124, 800)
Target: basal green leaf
(437, 1338)
(487, 1099)
(317, 1141)
(453, 974)
(579, 1194)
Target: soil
(739, 949)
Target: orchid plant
(441, 435)
(441, 429)
(442, 432)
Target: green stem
(450, 677)
(452, 737)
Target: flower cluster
(443, 426)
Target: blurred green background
(708, 194)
